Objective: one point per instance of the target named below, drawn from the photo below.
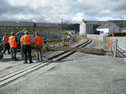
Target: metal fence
(114, 46)
(46, 35)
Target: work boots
(9, 52)
(15, 59)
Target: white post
(115, 47)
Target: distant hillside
(120, 23)
(117, 21)
(71, 26)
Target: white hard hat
(12, 33)
(6, 33)
(26, 32)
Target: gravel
(79, 73)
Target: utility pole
(62, 24)
(61, 32)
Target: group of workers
(10, 44)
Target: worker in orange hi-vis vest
(26, 43)
(63, 42)
(6, 43)
(13, 46)
(38, 46)
(110, 43)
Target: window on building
(2, 27)
(10, 27)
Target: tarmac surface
(79, 73)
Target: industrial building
(86, 27)
(109, 27)
(12, 25)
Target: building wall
(115, 29)
(96, 37)
(89, 27)
(112, 29)
(106, 30)
(13, 27)
(82, 28)
(10, 25)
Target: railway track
(6, 79)
(68, 52)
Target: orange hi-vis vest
(38, 40)
(26, 40)
(12, 42)
(110, 43)
(6, 38)
(63, 41)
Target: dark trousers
(27, 49)
(7, 47)
(13, 53)
(38, 53)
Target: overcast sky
(52, 11)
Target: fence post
(47, 44)
(59, 42)
(54, 42)
(115, 47)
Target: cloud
(78, 17)
(105, 12)
(104, 18)
(72, 11)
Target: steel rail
(19, 73)
(76, 47)
(13, 76)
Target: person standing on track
(63, 42)
(38, 46)
(6, 43)
(26, 43)
(13, 46)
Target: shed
(109, 27)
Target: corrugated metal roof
(14, 23)
(46, 25)
(26, 24)
(8, 23)
(95, 22)
(106, 25)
